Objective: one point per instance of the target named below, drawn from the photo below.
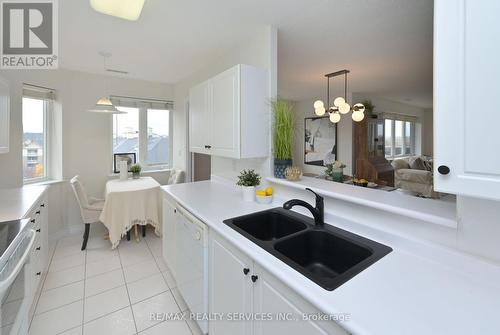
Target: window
(144, 131)
(34, 139)
(399, 138)
(158, 124)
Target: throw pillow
(417, 163)
(400, 164)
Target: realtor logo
(29, 34)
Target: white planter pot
(248, 193)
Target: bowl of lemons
(264, 196)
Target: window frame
(47, 115)
(143, 139)
(393, 139)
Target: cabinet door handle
(38, 273)
(32, 221)
(42, 205)
(175, 210)
(254, 278)
(443, 169)
(208, 146)
(38, 248)
(38, 230)
(246, 271)
(37, 212)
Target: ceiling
(387, 44)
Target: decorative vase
(136, 175)
(248, 193)
(280, 166)
(337, 174)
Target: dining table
(129, 203)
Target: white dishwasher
(192, 263)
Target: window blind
(399, 117)
(38, 92)
(141, 103)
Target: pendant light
(340, 105)
(104, 104)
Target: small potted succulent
(248, 180)
(136, 171)
(335, 171)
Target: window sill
(43, 182)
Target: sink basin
(268, 225)
(323, 255)
(327, 255)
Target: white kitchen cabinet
(230, 288)
(169, 234)
(230, 114)
(239, 285)
(466, 72)
(39, 257)
(198, 118)
(271, 297)
(225, 118)
(4, 116)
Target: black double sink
(327, 255)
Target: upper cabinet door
(199, 131)
(466, 72)
(4, 116)
(225, 118)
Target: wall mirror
(320, 142)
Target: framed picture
(127, 157)
(320, 141)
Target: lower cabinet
(239, 288)
(39, 257)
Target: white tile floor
(109, 292)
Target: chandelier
(340, 105)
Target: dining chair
(176, 177)
(90, 207)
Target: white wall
(303, 109)
(260, 52)
(85, 138)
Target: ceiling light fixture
(104, 104)
(340, 105)
(124, 9)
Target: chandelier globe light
(340, 105)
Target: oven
(16, 242)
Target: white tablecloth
(130, 202)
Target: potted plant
(369, 107)
(248, 180)
(335, 171)
(283, 136)
(136, 171)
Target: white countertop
(430, 210)
(416, 289)
(15, 203)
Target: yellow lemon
(269, 191)
(261, 193)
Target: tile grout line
(128, 294)
(170, 289)
(84, 284)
